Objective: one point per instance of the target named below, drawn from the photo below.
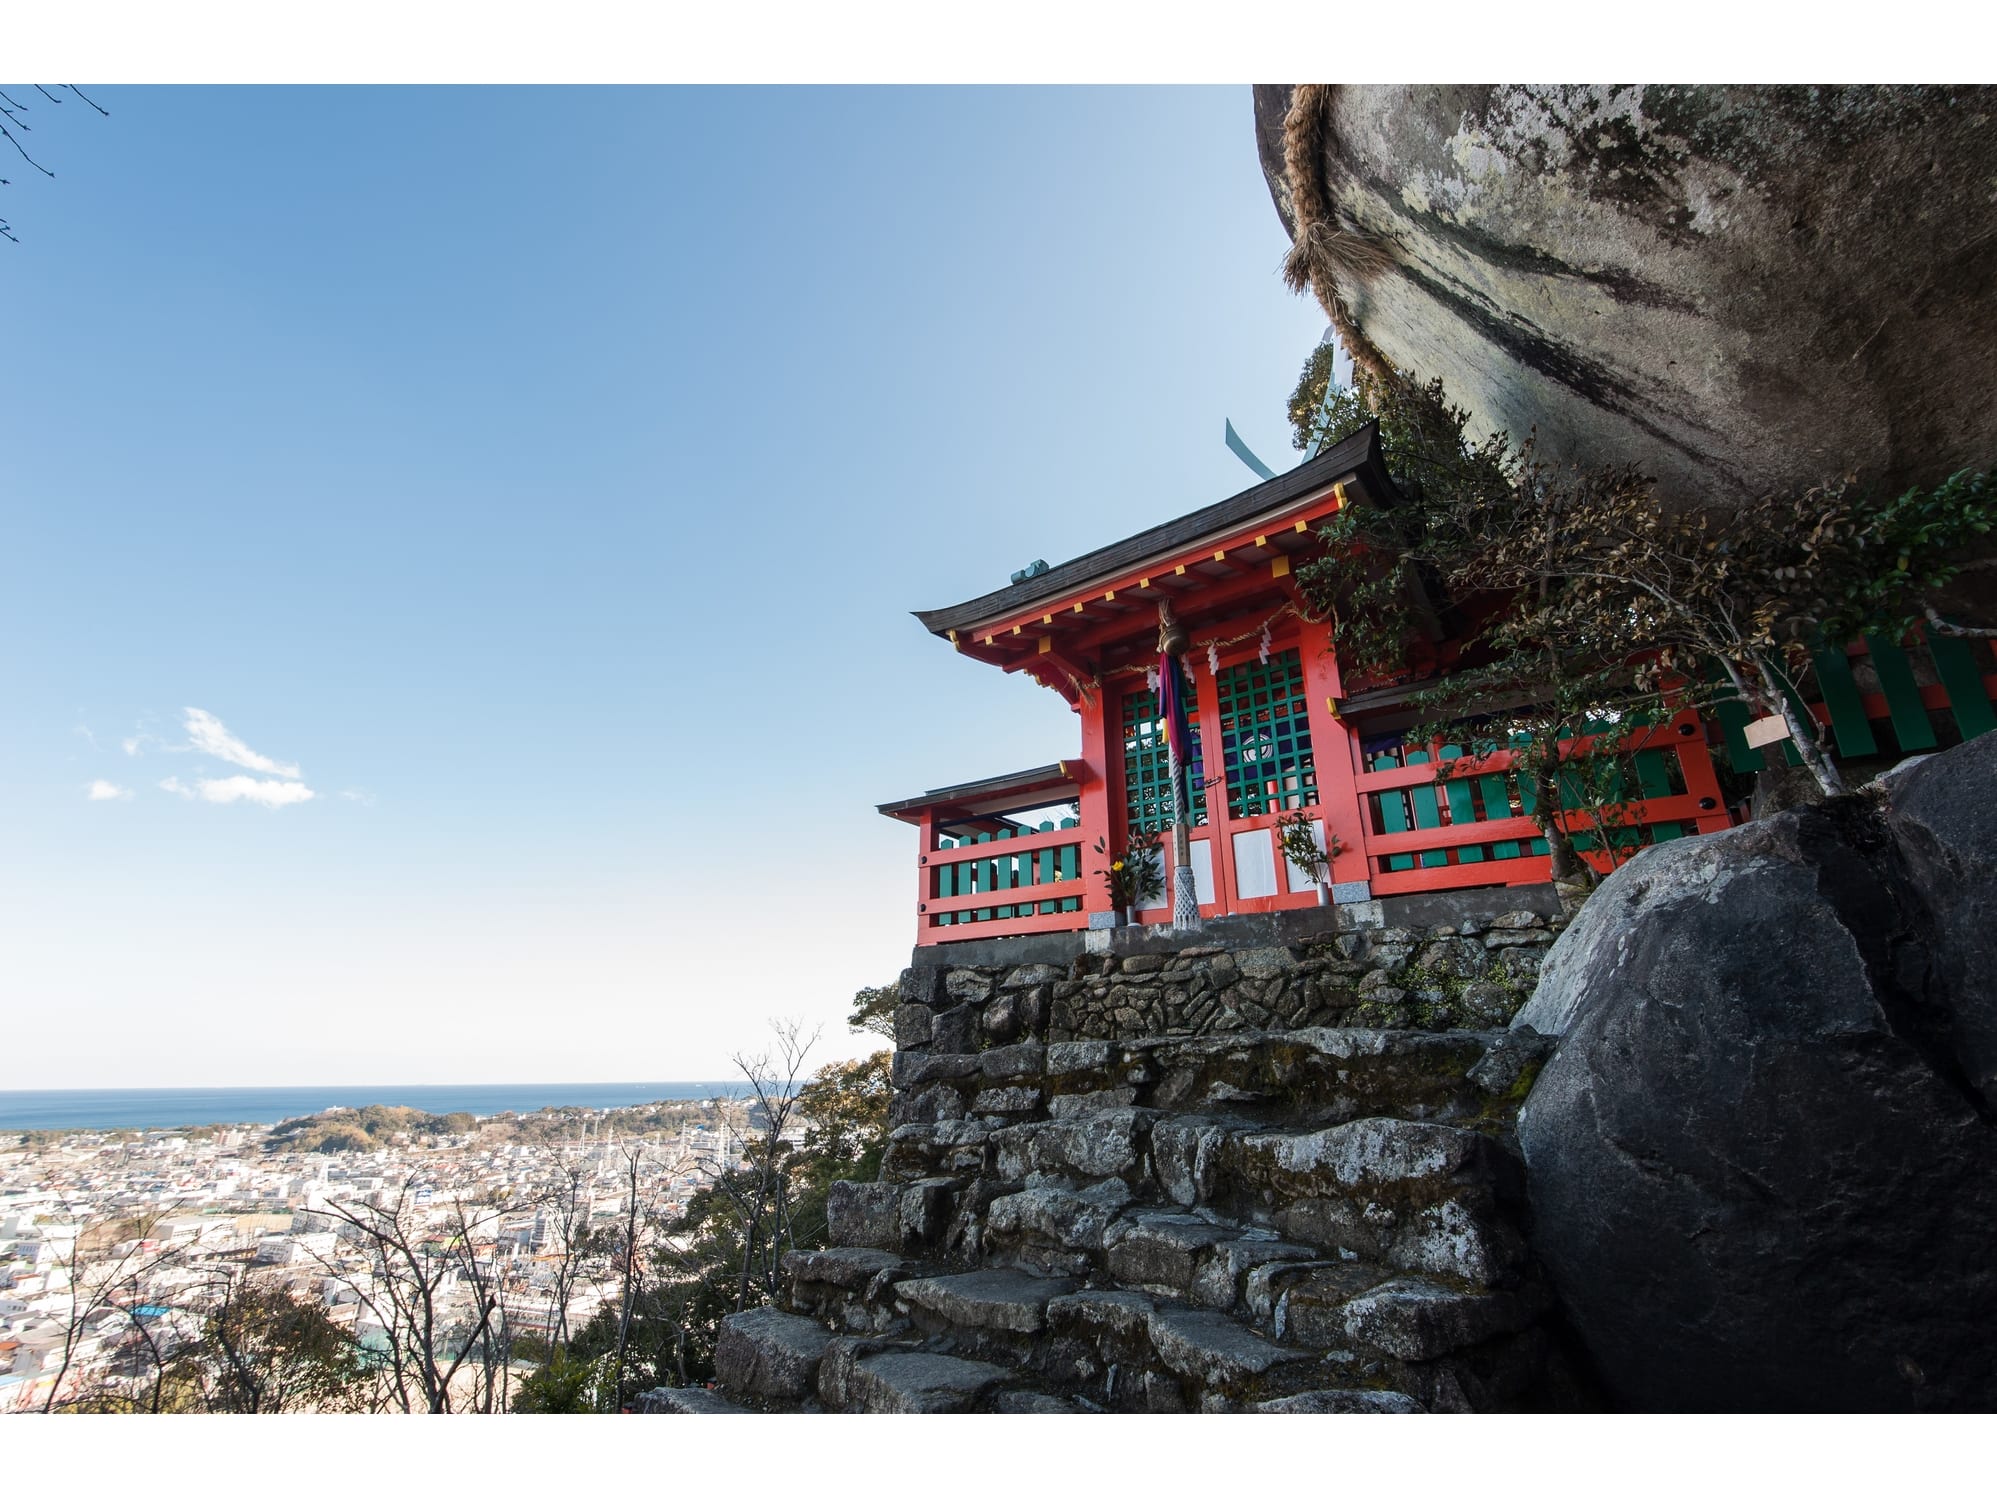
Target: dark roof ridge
(1358, 452)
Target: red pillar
(1337, 753)
(1219, 829)
(1097, 821)
(925, 880)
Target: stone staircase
(1312, 1220)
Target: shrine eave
(1354, 461)
(993, 796)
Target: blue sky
(546, 477)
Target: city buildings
(114, 1248)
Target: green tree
(567, 1384)
(873, 1010)
(265, 1352)
(708, 1263)
(1553, 611)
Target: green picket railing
(1855, 732)
(1006, 873)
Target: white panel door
(1254, 864)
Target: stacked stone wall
(1264, 1166)
(1431, 963)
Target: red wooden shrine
(1279, 729)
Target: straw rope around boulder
(1329, 249)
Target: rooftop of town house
(1357, 458)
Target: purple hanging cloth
(1172, 709)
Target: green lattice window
(1147, 781)
(1265, 737)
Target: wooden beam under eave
(1168, 574)
(1054, 670)
(1212, 595)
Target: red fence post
(1094, 798)
(925, 880)
(1336, 748)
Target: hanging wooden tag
(1764, 731)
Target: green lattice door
(1147, 782)
(1265, 737)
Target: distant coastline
(180, 1107)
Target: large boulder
(1737, 288)
(1762, 1161)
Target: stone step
(890, 1216)
(1038, 1402)
(1191, 1256)
(1274, 1079)
(1429, 1198)
(1052, 1229)
(688, 1401)
(986, 1300)
(1299, 1324)
(1422, 1198)
(1340, 1402)
(848, 1288)
(1309, 1077)
(768, 1354)
(1418, 1321)
(1220, 1360)
(857, 1378)
(1127, 1350)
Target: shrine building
(1281, 728)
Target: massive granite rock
(1762, 1162)
(1738, 288)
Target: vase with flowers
(1132, 874)
(1297, 835)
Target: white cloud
(366, 798)
(173, 783)
(208, 734)
(271, 793)
(103, 790)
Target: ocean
(166, 1107)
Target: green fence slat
(1653, 779)
(1044, 870)
(1734, 718)
(1955, 664)
(1903, 694)
(1653, 775)
(1428, 811)
(1462, 806)
(987, 876)
(1528, 804)
(1071, 864)
(1003, 876)
(1667, 832)
(946, 882)
(1847, 707)
(1497, 798)
(1393, 815)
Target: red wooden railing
(1421, 830)
(972, 887)
(1428, 830)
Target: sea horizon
(183, 1107)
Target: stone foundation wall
(1464, 960)
(1264, 1166)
